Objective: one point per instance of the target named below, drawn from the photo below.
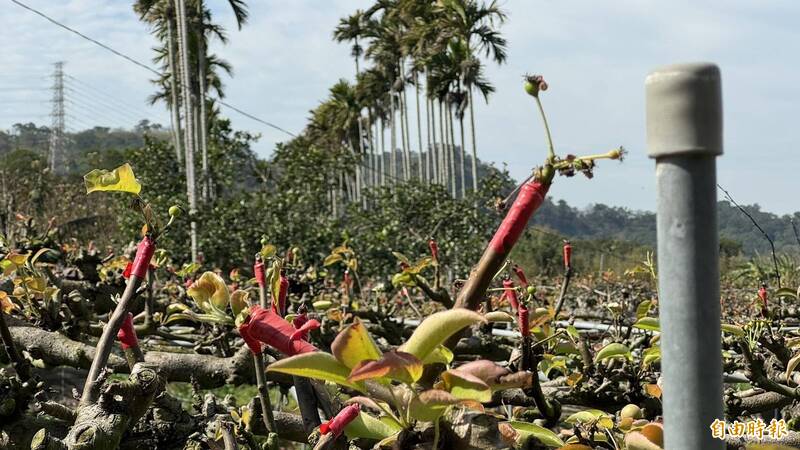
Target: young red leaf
(395, 365)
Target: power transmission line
(140, 64)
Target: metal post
(684, 135)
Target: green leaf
(499, 316)
(787, 292)
(393, 365)
(354, 345)
(529, 430)
(643, 308)
(317, 365)
(120, 179)
(613, 350)
(268, 251)
(431, 404)
(591, 416)
(367, 427)
(440, 354)
(332, 259)
(648, 323)
(733, 329)
(466, 386)
(437, 328)
(404, 278)
(322, 305)
(651, 355)
(210, 292)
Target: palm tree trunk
(452, 150)
(406, 174)
(393, 141)
(382, 160)
(428, 155)
(462, 166)
(442, 147)
(434, 148)
(203, 123)
(474, 148)
(419, 131)
(173, 87)
(183, 50)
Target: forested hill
(736, 230)
(102, 147)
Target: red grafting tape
(268, 327)
(252, 343)
(762, 294)
(336, 425)
(144, 252)
(510, 293)
(567, 255)
(530, 197)
(434, 249)
(299, 320)
(302, 332)
(524, 322)
(258, 269)
(283, 290)
(127, 333)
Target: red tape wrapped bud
(144, 252)
(567, 255)
(300, 320)
(348, 281)
(252, 343)
(434, 249)
(762, 294)
(283, 290)
(523, 321)
(127, 333)
(336, 425)
(510, 293)
(258, 270)
(531, 196)
(264, 325)
(302, 332)
(520, 275)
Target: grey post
(684, 135)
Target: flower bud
(175, 211)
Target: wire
(140, 64)
(99, 95)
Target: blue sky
(595, 56)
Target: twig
(90, 389)
(771, 243)
(562, 294)
(261, 382)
